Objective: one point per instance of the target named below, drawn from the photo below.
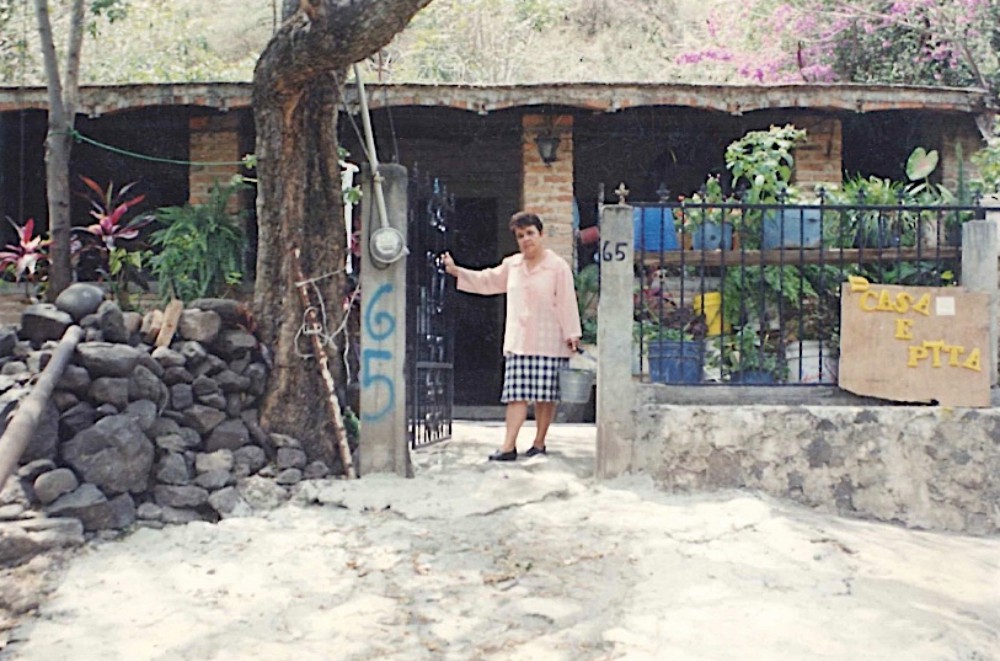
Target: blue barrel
(793, 228)
(673, 361)
(654, 229)
(712, 236)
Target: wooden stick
(25, 419)
(324, 367)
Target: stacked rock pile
(154, 422)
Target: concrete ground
(524, 560)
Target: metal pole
(22, 426)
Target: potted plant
(674, 342)
(748, 356)
(708, 225)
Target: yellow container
(709, 306)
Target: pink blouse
(541, 303)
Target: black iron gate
(431, 346)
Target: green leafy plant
(200, 248)
(746, 349)
(588, 288)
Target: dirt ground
(528, 560)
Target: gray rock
(174, 375)
(104, 359)
(143, 384)
(168, 358)
(173, 443)
(251, 457)
(179, 516)
(31, 470)
(289, 477)
(88, 504)
(234, 343)
(231, 312)
(80, 299)
(181, 396)
(76, 418)
(152, 322)
(173, 469)
(44, 441)
(229, 381)
(149, 512)
(229, 502)
(213, 480)
(75, 379)
(122, 511)
(114, 454)
(215, 400)
(13, 367)
(104, 410)
(239, 365)
(203, 419)
(93, 335)
(212, 461)
(22, 540)
(193, 352)
(163, 426)
(8, 340)
(205, 385)
(150, 363)
(91, 322)
(234, 404)
(133, 323)
(229, 435)
(144, 412)
(289, 457)
(50, 486)
(179, 496)
(109, 390)
(43, 321)
(261, 493)
(64, 400)
(316, 470)
(285, 441)
(37, 360)
(257, 373)
(199, 325)
(111, 321)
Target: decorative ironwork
(431, 343)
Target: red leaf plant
(109, 209)
(25, 255)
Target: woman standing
(542, 329)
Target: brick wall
(820, 159)
(971, 142)
(213, 140)
(548, 189)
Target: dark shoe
(533, 451)
(500, 455)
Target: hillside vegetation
(476, 41)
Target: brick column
(952, 136)
(213, 140)
(821, 159)
(547, 189)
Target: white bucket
(809, 353)
(575, 385)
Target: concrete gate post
(383, 443)
(615, 389)
(980, 248)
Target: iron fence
(743, 294)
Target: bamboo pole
(25, 419)
(324, 367)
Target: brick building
(480, 141)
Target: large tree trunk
(299, 205)
(59, 141)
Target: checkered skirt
(531, 378)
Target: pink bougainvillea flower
(25, 255)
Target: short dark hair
(524, 219)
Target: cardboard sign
(915, 344)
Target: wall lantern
(548, 145)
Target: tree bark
(296, 99)
(62, 95)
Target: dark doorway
(478, 319)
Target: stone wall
(142, 429)
(922, 467)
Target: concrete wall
(923, 467)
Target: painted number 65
(616, 255)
